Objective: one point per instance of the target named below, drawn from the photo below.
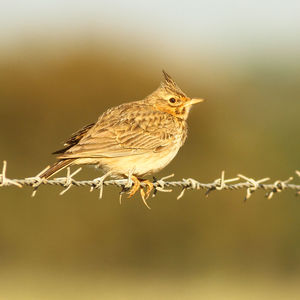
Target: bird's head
(171, 99)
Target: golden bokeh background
(76, 246)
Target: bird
(132, 140)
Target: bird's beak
(194, 101)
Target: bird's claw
(137, 186)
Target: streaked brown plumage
(137, 138)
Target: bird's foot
(145, 194)
(137, 186)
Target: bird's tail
(59, 165)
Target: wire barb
(190, 184)
(279, 186)
(255, 184)
(69, 180)
(220, 183)
(298, 173)
(4, 181)
(159, 185)
(99, 183)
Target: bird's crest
(170, 85)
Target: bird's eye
(172, 100)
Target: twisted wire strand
(160, 185)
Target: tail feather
(59, 165)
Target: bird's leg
(145, 195)
(135, 187)
(149, 187)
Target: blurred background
(62, 63)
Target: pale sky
(227, 24)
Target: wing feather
(117, 133)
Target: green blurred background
(63, 63)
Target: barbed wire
(160, 185)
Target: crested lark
(133, 139)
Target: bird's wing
(119, 132)
(74, 139)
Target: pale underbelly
(139, 165)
